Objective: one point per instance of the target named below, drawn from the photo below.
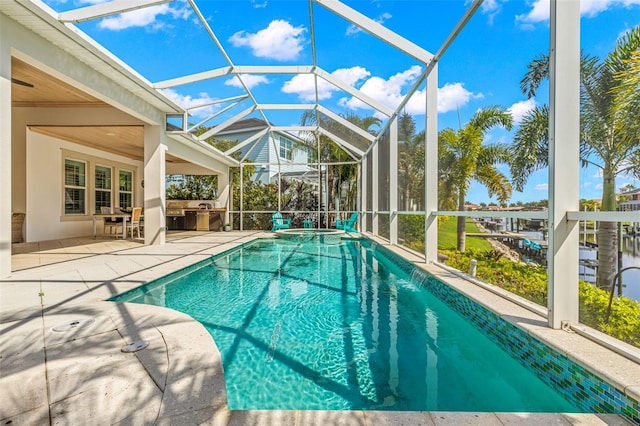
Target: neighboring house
(272, 149)
(632, 202)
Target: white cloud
(251, 80)
(146, 17)
(598, 174)
(187, 101)
(540, 9)
(304, 84)
(387, 92)
(453, 96)
(390, 93)
(520, 109)
(491, 8)
(542, 187)
(280, 41)
(353, 29)
(599, 186)
(259, 5)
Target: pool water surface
(304, 325)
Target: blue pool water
(313, 326)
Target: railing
(613, 289)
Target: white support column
(224, 193)
(393, 182)
(363, 193)
(564, 151)
(431, 169)
(154, 185)
(374, 189)
(5, 156)
(240, 207)
(359, 195)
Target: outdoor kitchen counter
(194, 218)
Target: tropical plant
(608, 131)
(192, 187)
(463, 157)
(410, 163)
(530, 281)
(339, 176)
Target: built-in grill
(174, 210)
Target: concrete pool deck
(81, 376)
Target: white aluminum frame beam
(219, 101)
(286, 107)
(211, 117)
(273, 69)
(434, 62)
(368, 136)
(431, 168)
(377, 30)
(106, 9)
(564, 176)
(393, 182)
(226, 124)
(294, 129)
(193, 78)
(247, 141)
(343, 144)
(353, 92)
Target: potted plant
(227, 227)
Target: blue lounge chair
(279, 222)
(349, 224)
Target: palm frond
(538, 71)
(530, 148)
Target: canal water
(630, 257)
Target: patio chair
(349, 224)
(279, 222)
(109, 222)
(134, 224)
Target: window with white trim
(75, 187)
(286, 148)
(126, 189)
(102, 182)
(89, 183)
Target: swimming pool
(314, 326)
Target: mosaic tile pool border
(585, 389)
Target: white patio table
(104, 216)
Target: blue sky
(482, 68)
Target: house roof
(244, 125)
(632, 192)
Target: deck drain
(74, 324)
(136, 346)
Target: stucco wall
(44, 191)
(23, 117)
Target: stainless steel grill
(174, 210)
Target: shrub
(530, 281)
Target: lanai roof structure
(247, 102)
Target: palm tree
(410, 162)
(608, 130)
(329, 151)
(463, 157)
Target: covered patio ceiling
(35, 88)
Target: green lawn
(447, 235)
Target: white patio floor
(82, 377)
